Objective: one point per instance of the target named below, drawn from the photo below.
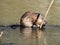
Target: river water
(12, 10)
(31, 36)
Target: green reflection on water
(11, 10)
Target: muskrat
(32, 19)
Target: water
(31, 36)
(12, 10)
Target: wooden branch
(47, 12)
(1, 34)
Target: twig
(46, 13)
(1, 34)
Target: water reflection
(33, 36)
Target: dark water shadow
(8, 44)
(5, 27)
(14, 26)
(52, 26)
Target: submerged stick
(46, 13)
(1, 34)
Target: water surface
(12, 10)
(28, 36)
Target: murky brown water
(11, 10)
(10, 13)
(28, 36)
